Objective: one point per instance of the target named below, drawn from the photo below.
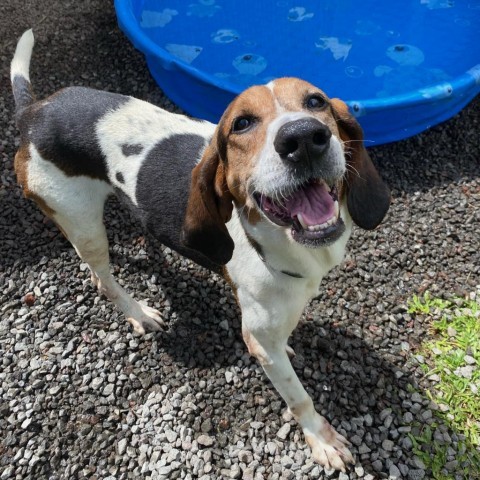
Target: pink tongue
(314, 203)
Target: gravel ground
(81, 396)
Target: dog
(267, 197)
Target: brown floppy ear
(209, 207)
(368, 197)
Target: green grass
(451, 353)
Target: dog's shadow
(361, 382)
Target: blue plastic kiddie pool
(400, 66)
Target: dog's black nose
(302, 140)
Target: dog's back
(62, 129)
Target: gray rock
(377, 465)
(272, 448)
(394, 473)
(206, 426)
(416, 474)
(418, 463)
(359, 470)
(284, 431)
(97, 383)
(205, 440)
(407, 417)
(388, 445)
(245, 456)
(356, 440)
(171, 436)
(287, 462)
(8, 473)
(121, 446)
(108, 390)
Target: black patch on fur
(119, 177)
(256, 246)
(129, 149)
(22, 92)
(63, 129)
(162, 191)
(291, 274)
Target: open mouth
(312, 211)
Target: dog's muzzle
(311, 208)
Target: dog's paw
(329, 448)
(146, 319)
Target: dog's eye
(241, 124)
(315, 102)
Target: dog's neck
(270, 247)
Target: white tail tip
(21, 60)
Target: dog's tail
(20, 72)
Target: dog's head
(286, 154)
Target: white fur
(59, 190)
(21, 60)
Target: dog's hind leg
(92, 247)
(76, 204)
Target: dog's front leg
(266, 339)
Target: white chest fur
(280, 253)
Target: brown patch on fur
(291, 93)
(20, 164)
(209, 207)
(368, 197)
(251, 214)
(255, 349)
(21, 169)
(48, 211)
(22, 158)
(239, 151)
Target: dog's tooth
(336, 208)
(317, 228)
(302, 221)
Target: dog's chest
(283, 254)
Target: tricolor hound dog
(267, 198)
